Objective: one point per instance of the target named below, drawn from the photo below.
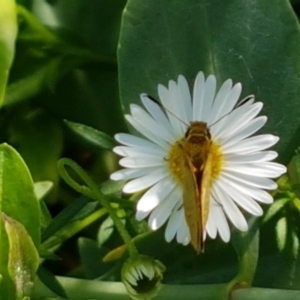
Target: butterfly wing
(192, 206)
(205, 189)
(196, 199)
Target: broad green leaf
(8, 33)
(39, 139)
(23, 258)
(92, 135)
(17, 200)
(255, 42)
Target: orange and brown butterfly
(197, 152)
(196, 181)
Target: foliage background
(86, 61)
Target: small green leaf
(295, 245)
(281, 233)
(42, 188)
(294, 173)
(111, 187)
(23, 258)
(92, 135)
(8, 34)
(105, 231)
(275, 208)
(296, 203)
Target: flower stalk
(92, 190)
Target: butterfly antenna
(243, 101)
(161, 106)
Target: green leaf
(275, 208)
(17, 200)
(42, 188)
(105, 231)
(246, 245)
(23, 258)
(8, 33)
(51, 282)
(112, 187)
(294, 173)
(64, 217)
(295, 245)
(92, 135)
(39, 139)
(281, 233)
(252, 42)
(91, 257)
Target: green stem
(92, 191)
(83, 189)
(79, 289)
(72, 229)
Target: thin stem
(80, 289)
(93, 191)
(83, 189)
(72, 229)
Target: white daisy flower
(241, 167)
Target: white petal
(156, 112)
(146, 121)
(136, 152)
(147, 132)
(264, 169)
(225, 100)
(141, 162)
(172, 226)
(136, 142)
(169, 102)
(144, 182)
(183, 231)
(244, 201)
(198, 94)
(255, 193)
(208, 97)
(233, 213)
(126, 174)
(245, 131)
(252, 144)
(185, 100)
(162, 212)
(236, 119)
(217, 222)
(250, 158)
(153, 197)
(251, 181)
